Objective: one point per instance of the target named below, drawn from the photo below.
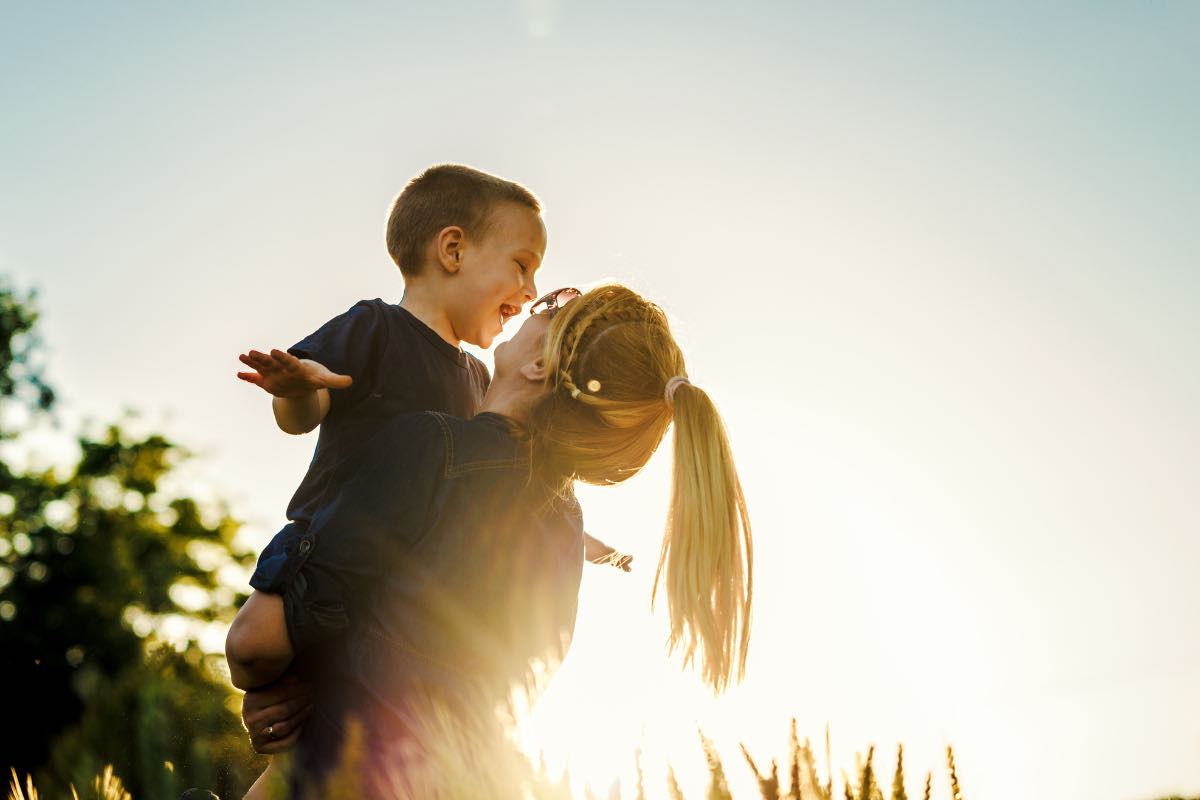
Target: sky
(937, 264)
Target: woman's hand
(274, 714)
(598, 552)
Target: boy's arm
(305, 593)
(258, 648)
(598, 552)
(301, 414)
(300, 387)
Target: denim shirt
(434, 564)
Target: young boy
(468, 245)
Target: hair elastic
(593, 386)
(672, 385)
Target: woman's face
(525, 348)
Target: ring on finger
(270, 731)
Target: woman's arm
(258, 648)
(598, 552)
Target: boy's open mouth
(507, 312)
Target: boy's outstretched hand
(284, 375)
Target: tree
(95, 562)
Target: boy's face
(496, 274)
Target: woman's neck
(511, 397)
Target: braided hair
(609, 359)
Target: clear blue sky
(938, 263)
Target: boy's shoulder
(476, 365)
(375, 309)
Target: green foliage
(20, 371)
(92, 561)
(169, 723)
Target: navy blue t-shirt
(399, 366)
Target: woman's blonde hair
(609, 357)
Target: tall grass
(105, 786)
(485, 764)
(480, 761)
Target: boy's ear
(534, 371)
(450, 243)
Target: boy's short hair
(444, 195)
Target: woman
(456, 569)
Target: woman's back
(437, 552)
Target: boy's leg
(272, 784)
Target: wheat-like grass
(867, 786)
(768, 787)
(955, 791)
(898, 792)
(673, 790)
(794, 756)
(848, 787)
(15, 792)
(828, 765)
(812, 779)
(108, 786)
(718, 788)
(459, 761)
(105, 786)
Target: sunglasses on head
(549, 303)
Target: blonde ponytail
(707, 552)
(615, 376)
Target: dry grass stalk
(955, 791)
(718, 787)
(768, 787)
(795, 757)
(868, 787)
(898, 792)
(460, 759)
(108, 786)
(16, 793)
(673, 790)
(811, 778)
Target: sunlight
(934, 264)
